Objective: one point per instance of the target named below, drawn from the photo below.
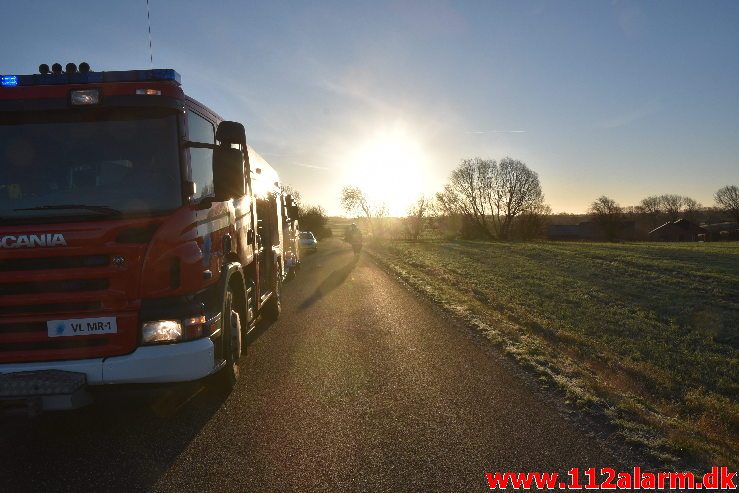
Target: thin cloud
(479, 132)
(351, 89)
(311, 166)
(631, 116)
(280, 156)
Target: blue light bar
(153, 75)
(9, 80)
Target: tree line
(310, 217)
(484, 198)
(656, 210)
(503, 200)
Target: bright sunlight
(389, 167)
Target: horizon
(623, 99)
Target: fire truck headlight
(161, 331)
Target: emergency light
(9, 80)
(84, 76)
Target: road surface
(360, 386)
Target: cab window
(201, 160)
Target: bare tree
(488, 196)
(289, 190)
(515, 190)
(672, 205)
(531, 224)
(380, 216)
(607, 214)
(446, 213)
(470, 187)
(416, 220)
(651, 207)
(691, 209)
(669, 207)
(447, 202)
(727, 198)
(355, 201)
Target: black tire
(274, 305)
(231, 326)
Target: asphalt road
(360, 386)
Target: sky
(625, 99)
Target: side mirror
(228, 173)
(229, 133)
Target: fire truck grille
(38, 287)
(47, 263)
(47, 345)
(83, 306)
(73, 283)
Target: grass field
(644, 334)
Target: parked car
(308, 242)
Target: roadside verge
(590, 386)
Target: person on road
(354, 237)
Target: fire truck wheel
(231, 343)
(274, 305)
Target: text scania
(32, 241)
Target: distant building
(680, 230)
(589, 231)
(563, 232)
(728, 231)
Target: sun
(390, 167)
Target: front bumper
(180, 362)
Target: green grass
(647, 334)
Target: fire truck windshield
(109, 161)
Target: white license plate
(81, 326)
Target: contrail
(497, 131)
(312, 166)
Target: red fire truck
(140, 238)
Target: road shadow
(332, 281)
(122, 442)
(258, 330)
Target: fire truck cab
(140, 237)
